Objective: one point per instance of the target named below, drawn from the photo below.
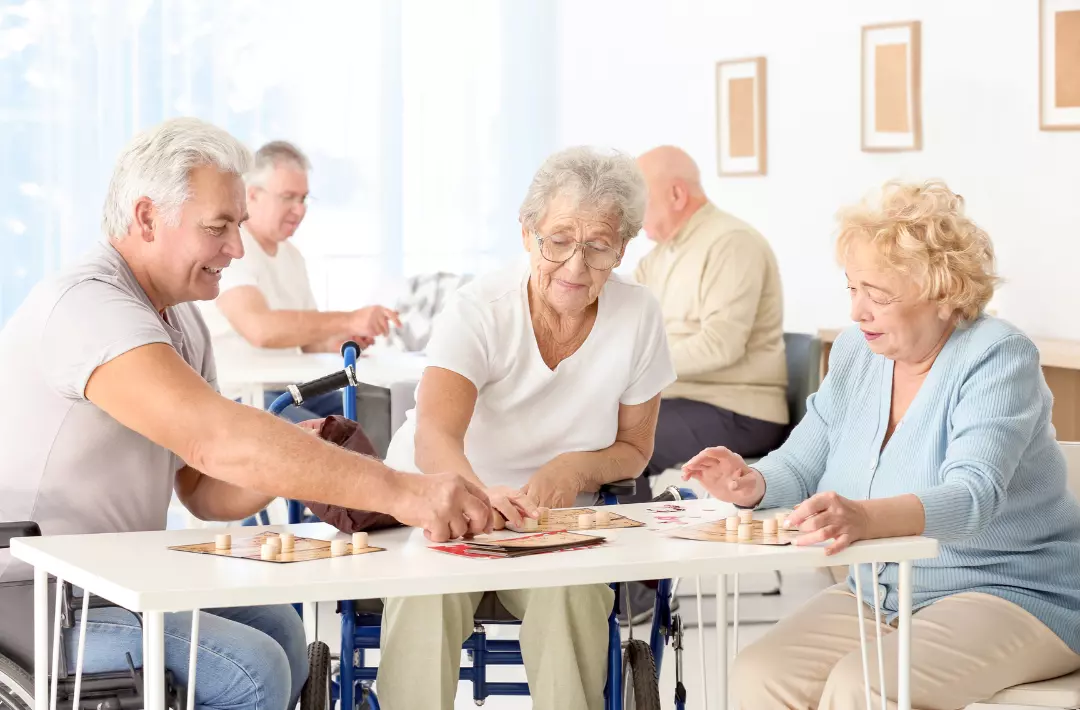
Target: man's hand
(373, 321)
(554, 485)
(510, 506)
(445, 505)
(726, 476)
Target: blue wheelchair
(633, 666)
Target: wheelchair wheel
(16, 686)
(641, 688)
(316, 692)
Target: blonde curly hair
(921, 231)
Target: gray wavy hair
(158, 163)
(609, 181)
(272, 156)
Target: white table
(249, 372)
(137, 571)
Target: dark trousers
(686, 427)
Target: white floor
(754, 609)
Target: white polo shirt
(282, 279)
(527, 414)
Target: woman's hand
(510, 506)
(554, 486)
(726, 476)
(829, 516)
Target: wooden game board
(250, 548)
(717, 532)
(567, 519)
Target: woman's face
(571, 286)
(894, 318)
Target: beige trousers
(964, 649)
(564, 644)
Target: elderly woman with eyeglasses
(934, 420)
(544, 383)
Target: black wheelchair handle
(321, 386)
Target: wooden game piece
(531, 525)
(545, 514)
(223, 542)
(268, 551)
(732, 523)
(603, 518)
(287, 542)
(274, 542)
(746, 531)
(339, 547)
(746, 516)
(768, 526)
(585, 521)
(359, 542)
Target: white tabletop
(137, 571)
(242, 367)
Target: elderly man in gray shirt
(117, 364)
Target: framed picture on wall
(891, 93)
(1059, 65)
(740, 117)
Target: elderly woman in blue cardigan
(934, 420)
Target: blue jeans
(316, 408)
(250, 658)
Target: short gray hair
(158, 164)
(272, 156)
(606, 180)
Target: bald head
(675, 191)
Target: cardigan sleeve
(997, 410)
(793, 471)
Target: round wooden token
(603, 517)
(268, 552)
(359, 542)
(586, 521)
(339, 547)
(745, 516)
(746, 531)
(732, 523)
(223, 542)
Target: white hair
(609, 181)
(158, 164)
(271, 156)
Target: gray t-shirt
(64, 462)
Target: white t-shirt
(527, 414)
(282, 279)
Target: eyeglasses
(289, 199)
(559, 250)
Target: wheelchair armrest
(625, 487)
(23, 528)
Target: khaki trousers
(964, 649)
(564, 644)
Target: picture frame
(741, 117)
(1059, 65)
(891, 76)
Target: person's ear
(526, 238)
(680, 196)
(145, 218)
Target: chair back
(803, 352)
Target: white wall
(637, 73)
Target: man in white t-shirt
(266, 299)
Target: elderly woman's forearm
(439, 452)
(618, 462)
(899, 516)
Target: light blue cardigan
(978, 449)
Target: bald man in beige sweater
(719, 288)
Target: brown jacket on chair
(348, 434)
